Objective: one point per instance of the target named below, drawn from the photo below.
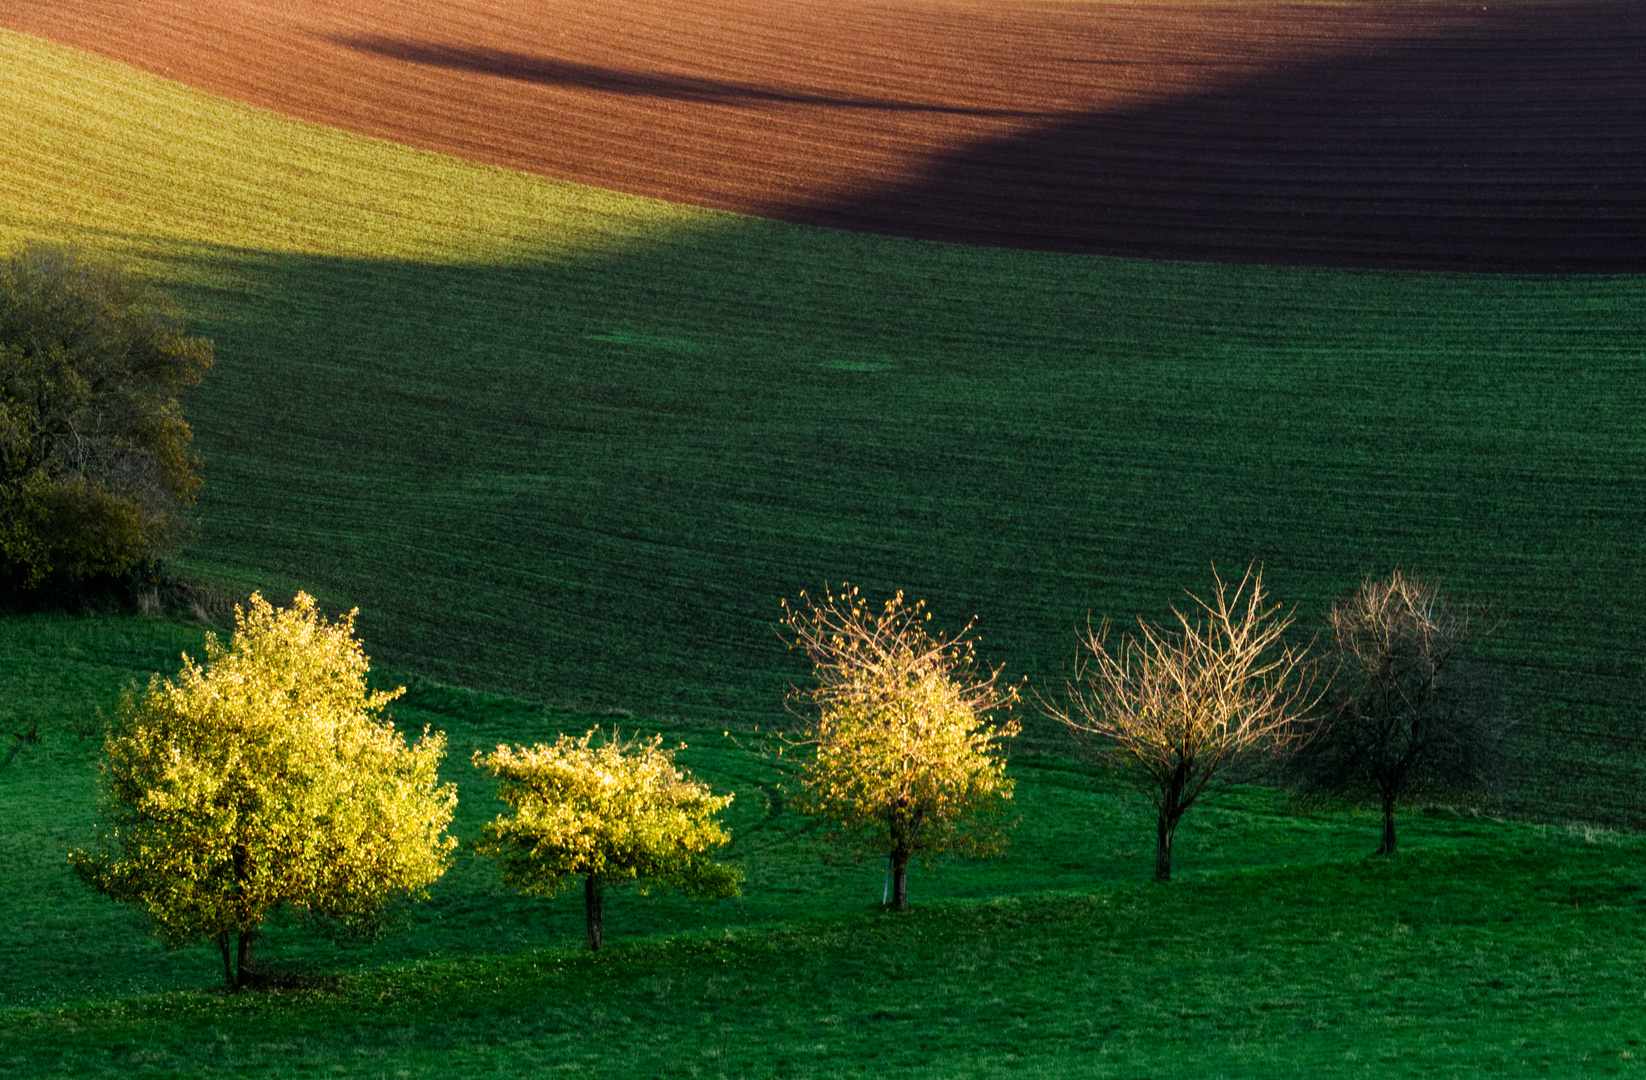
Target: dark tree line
(95, 463)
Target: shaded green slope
(594, 483)
(575, 446)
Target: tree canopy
(1174, 708)
(606, 810)
(1408, 715)
(267, 777)
(905, 752)
(95, 465)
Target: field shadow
(591, 481)
(1513, 141)
(573, 75)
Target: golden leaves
(610, 808)
(903, 750)
(265, 776)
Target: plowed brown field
(1445, 136)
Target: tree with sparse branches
(1177, 708)
(1408, 716)
(95, 465)
(904, 748)
(606, 810)
(268, 777)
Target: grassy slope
(60, 672)
(575, 445)
(1487, 949)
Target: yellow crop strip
(98, 151)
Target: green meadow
(566, 449)
(1489, 948)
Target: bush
(95, 465)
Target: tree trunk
(592, 889)
(244, 960)
(900, 881)
(1388, 847)
(237, 957)
(1166, 829)
(228, 961)
(237, 979)
(1171, 810)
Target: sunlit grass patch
(100, 152)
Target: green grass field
(1487, 949)
(570, 447)
(574, 446)
(61, 672)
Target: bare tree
(1408, 716)
(1176, 707)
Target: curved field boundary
(91, 150)
(576, 444)
(1432, 136)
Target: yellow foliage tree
(607, 811)
(267, 777)
(904, 753)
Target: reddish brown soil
(1396, 134)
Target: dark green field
(574, 445)
(591, 481)
(1487, 949)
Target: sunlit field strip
(97, 148)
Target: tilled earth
(1444, 135)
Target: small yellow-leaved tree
(267, 777)
(607, 811)
(904, 749)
